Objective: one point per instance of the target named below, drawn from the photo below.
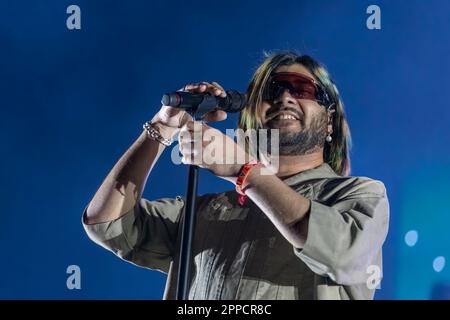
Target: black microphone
(199, 104)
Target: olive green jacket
(239, 254)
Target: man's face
(302, 123)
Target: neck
(290, 165)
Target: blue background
(73, 101)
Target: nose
(285, 98)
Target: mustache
(273, 111)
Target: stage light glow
(439, 263)
(411, 238)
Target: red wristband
(243, 174)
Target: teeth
(285, 117)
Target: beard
(303, 140)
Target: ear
(330, 112)
(330, 129)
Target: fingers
(189, 155)
(219, 89)
(191, 131)
(184, 119)
(186, 145)
(188, 139)
(214, 116)
(189, 127)
(214, 88)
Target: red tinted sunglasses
(299, 86)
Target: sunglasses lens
(304, 90)
(299, 87)
(276, 88)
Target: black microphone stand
(187, 236)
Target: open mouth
(284, 117)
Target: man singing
(305, 231)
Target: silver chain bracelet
(153, 133)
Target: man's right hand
(172, 119)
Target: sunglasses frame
(321, 95)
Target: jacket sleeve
(145, 236)
(345, 238)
